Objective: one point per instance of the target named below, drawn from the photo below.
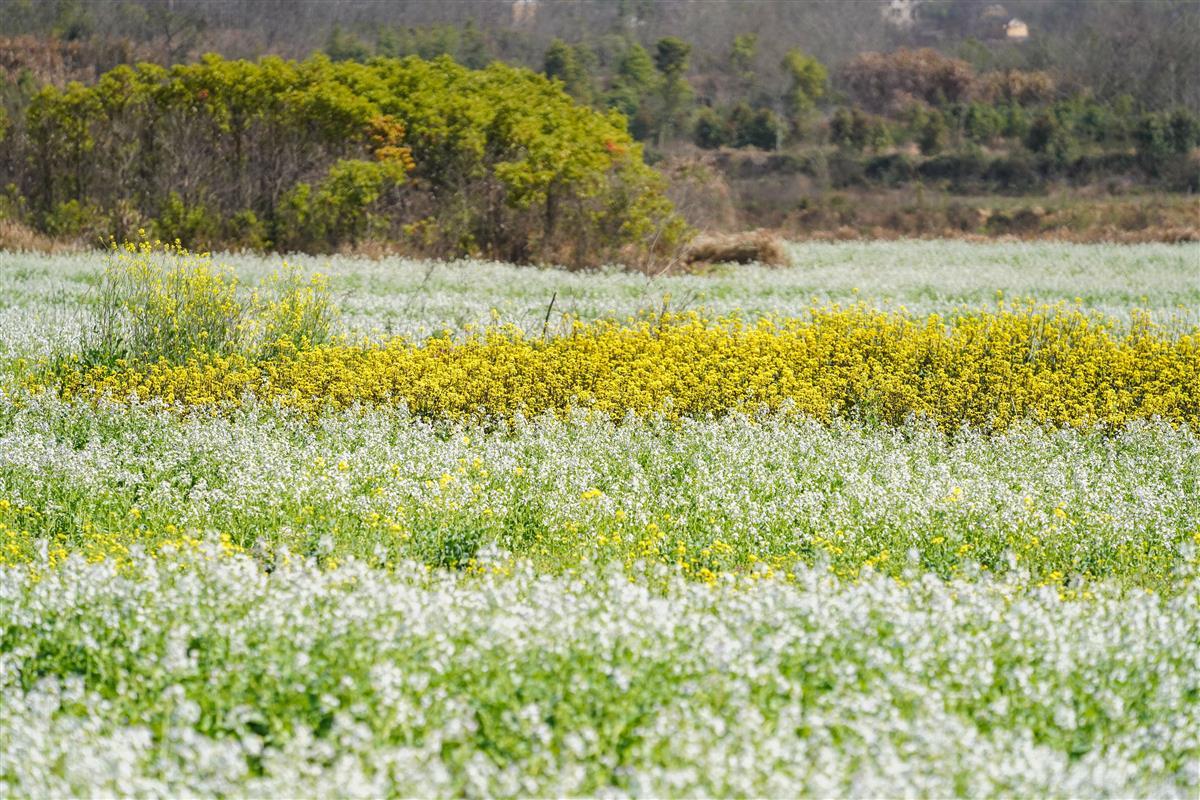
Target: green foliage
(247, 232)
(344, 200)
(319, 154)
(196, 224)
(932, 133)
(1151, 137)
(711, 130)
(1047, 136)
(851, 129)
(70, 219)
(636, 69)
(497, 158)
(466, 44)
(1183, 130)
(760, 128)
(345, 46)
(671, 56)
(563, 62)
(982, 123)
(742, 55)
(671, 59)
(634, 82)
(807, 79)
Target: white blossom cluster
(203, 675)
(1096, 499)
(247, 602)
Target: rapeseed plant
(158, 302)
(1052, 364)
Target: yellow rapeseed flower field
(1053, 364)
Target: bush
(761, 128)
(72, 220)
(1016, 173)
(1096, 167)
(845, 170)
(851, 129)
(932, 133)
(196, 224)
(1153, 143)
(962, 169)
(1183, 130)
(894, 169)
(1048, 137)
(711, 130)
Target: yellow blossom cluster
(1054, 364)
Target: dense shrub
(711, 130)
(1087, 167)
(961, 170)
(761, 128)
(1048, 137)
(893, 169)
(1015, 173)
(319, 155)
(852, 129)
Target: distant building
(901, 13)
(524, 12)
(1016, 29)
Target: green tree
(760, 128)
(852, 129)
(1153, 140)
(562, 62)
(1049, 137)
(742, 56)
(711, 130)
(932, 135)
(671, 59)
(345, 46)
(982, 123)
(634, 81)
(807, 79)
(1183, 130)
(313, 155)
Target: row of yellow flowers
(991, 368)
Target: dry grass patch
(750, 247)
(20, 238)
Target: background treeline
(428, 156)
(764, 107)
(1149, 49)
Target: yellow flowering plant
(158, 302)
(1051, 364)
